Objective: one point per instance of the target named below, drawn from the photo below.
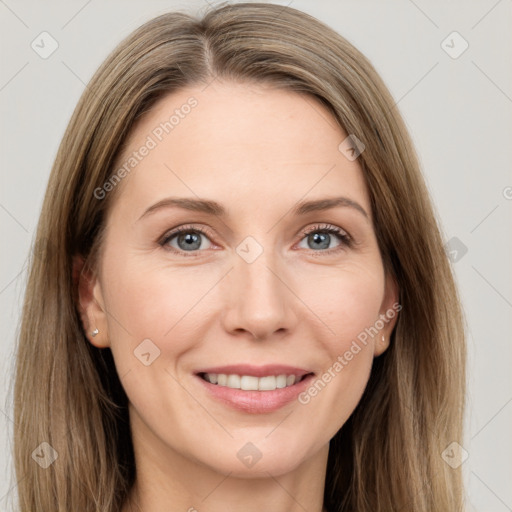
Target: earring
(94, 333)
(383, 339)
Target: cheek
(155, 302)
(170, 306)
(349, 304)
(347, 300)
(150, 300)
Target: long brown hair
(387, 456)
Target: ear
(388, 315)
(90, 303)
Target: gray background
(459, 112)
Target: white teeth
(233, 381)
(281, 381)
(250, 382)
(267, 383)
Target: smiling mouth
(251, 382)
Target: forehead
(246, 145)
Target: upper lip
(256, 371)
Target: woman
(240, 296)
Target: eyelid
(326, 227)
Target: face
(257, 284)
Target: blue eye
(189, 239)
(322, 236)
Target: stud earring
(94, 333)
(383, 339)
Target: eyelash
(345, 239)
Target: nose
(259, 300)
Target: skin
(257, 151)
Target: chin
(251, 462)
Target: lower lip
(256, 402)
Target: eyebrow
(213, 208)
